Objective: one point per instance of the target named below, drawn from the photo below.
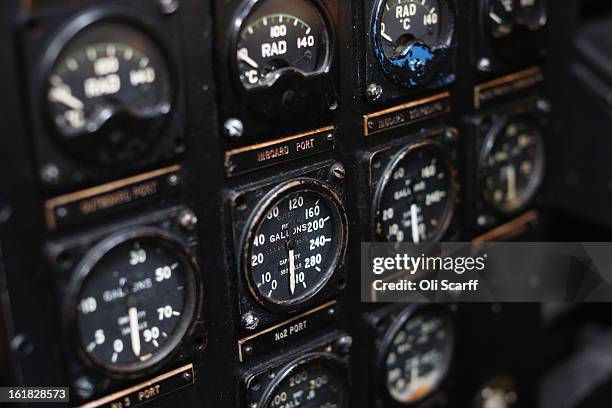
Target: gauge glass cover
(418, 356)
(415, 198)
(135, 304)
(512, 164)
(279, 36)
(295, 247)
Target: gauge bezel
(449, 211)
(502, 47)
(258, 216)
(387, 341)
(85, 268)
(449, 14)
(89, 20)
(328, 360)
(487, 147)
(242, 16)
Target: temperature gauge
(278, 37)
(412, 39)
(415, 199)
(134, 297)
(109, 93)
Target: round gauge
(412, 38)
(512, 164)
(415, 199)
(314, 381)
(134, 299)
(109, 92)
(506, 15)
(417, 355)
(280, 36)
(294, 243)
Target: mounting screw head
(188, 220)
(84, 387)
(374, 92)
(484, 64)
(250, 321)
(234, 128)
(338, 171)
(50, 174)
(168, 6)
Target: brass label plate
(147, 391)
(406, 114)
(83, 205)
(282, 333)
(509, 84)
(255, 157)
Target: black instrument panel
(187, 184)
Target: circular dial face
(418, 357)
(408, 22)
(279, 36)
(295, 247)
(415, 199)
(108, 82)
(512, 165)
(135, 304)
(314, 384)
(506, 15)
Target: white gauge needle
(243, 55)
(134, 333)
(495, 17)
(64, 96)
(414, 221)
(414, 373)
(291, 271)
(511, 178)
(386, 37)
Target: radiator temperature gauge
(412, 39)
(133, 299)
(294, 243)
(415, 199)
(109, 93)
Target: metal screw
(84, 387)
(234, 128)
(248, 350)
(331, 311)
(330, 137)
(253, 405)
(374, 92)
(188, 219)
(174, 180)
(543, 105)
(451, 134)
(482, 220)
(344, 343)
(22, 345)
(50, 174)
(250, 321)
(338, 171)
(484, 64)
(333, 105)
(168, 6)
(187, 376)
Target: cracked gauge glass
(135, 302)
(281, 36)
(412, 38)
(418, 356)
(109, 92)
(415, 199)
(512, 164)
(295, 245)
